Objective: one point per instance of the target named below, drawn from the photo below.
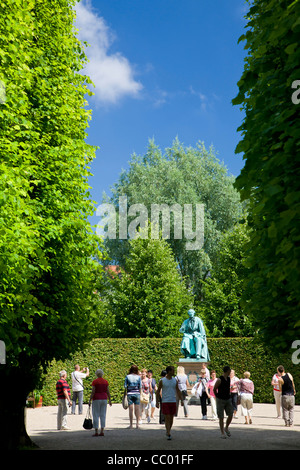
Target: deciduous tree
(149, 298)
(223, 290)
(182, 175)
(47, 246)
(271, 175)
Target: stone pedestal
(192, 368)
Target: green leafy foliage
(115, 357)
(270, 178)
(222, 291)
(149, 298)
(47, 246)
(181, 175)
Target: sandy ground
(188, 434)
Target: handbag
(88, 422)
(144, 398)
(125, 401)
(184, 394)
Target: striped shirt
(62, 385)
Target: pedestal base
(192, 368)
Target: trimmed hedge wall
(115, 355)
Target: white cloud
(160, 98)
(198, 93)
(112, 74)
(207, 102)
(201, 96)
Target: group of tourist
(143, 395)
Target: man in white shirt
(77, 387)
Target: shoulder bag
(88, 422)
(125, 401)
(81, 385)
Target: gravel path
(266, 433)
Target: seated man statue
(194, 343)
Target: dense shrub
(115, 355)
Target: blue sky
(162, 69)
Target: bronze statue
(194, 343)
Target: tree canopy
(47, 246)
(270, 178)
(182, 175)
(221, 305)
(148, 298)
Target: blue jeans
(234, 398)
(78, 395)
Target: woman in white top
(169, 387)
(277, 392)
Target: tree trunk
(14, 390)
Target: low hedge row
(115, 355)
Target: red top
(101, 386)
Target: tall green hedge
(115, 355)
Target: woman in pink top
(234, 392)
(246, 389)
(146, 390)
(211, 395)
(100, 394)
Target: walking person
(158, 403)
(133, 388)
(99, 396)
(169, 387)
(63, 400)
(183, 383)
(201, 392)
(277, 392)
(207, 375)
(234, 392)
(145, 401)
(288, 393)
(224, 403)
(246, 389)
(211, 395)
(77, 387)
(153, 394)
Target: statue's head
(191, 313)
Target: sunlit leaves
(270, 177)
(181, 175)
(149, 298)
(47, 273)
